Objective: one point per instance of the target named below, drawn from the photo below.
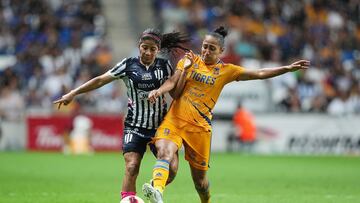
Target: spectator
(245, 130)
(327, 33)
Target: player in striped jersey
(141, 75)
(188, 122)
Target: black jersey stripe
(136, 100)
(154, 125)
(159, 109)
(143, 112)
(148, 113)
(156, 115)
(132, 98)
(169, 68)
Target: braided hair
(219, 33)
(167, 42)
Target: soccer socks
(125, 194)
(160, 174)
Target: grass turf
(56, 178)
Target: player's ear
(222, 49)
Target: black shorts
(136, 139)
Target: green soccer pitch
(235, 178)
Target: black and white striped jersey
(139, 82)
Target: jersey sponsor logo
(146, 85)
(143, 94)
(131, 132)
(195, 93)
(146, 76)
(206, 79)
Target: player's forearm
(180, 85)
(272, 72)
(167, 86)
(88, 86)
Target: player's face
(148, 51)
(210, 50)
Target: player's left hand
(302, 64)
(153, 95)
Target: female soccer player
(140, 75)
(188, 121)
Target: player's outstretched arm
(86, 87)
(273, 72)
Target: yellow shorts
(197, 144)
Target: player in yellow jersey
(188, 121)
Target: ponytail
(220, 33)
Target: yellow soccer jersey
(202, 89)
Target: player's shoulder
(162, 61)
(232, 66)
(131, 60)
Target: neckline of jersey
(147, 68)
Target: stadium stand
(48, 47)
(268, 33)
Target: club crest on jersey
(146, 76)
(166, 131)
(159, 74)
(216, 71)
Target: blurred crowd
(268, 33)
(48, 47)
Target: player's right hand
(189, 60)
(65, 99)
(153, 95)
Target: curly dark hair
(167, 42)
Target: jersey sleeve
(119, 70)
(180, 64)
(169, 67)
(234, 72)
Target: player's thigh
(197, 149)
(167, 139)
(136, 140)
(166, 149)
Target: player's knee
(164, 154)
(202, 186)
(132, 168)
